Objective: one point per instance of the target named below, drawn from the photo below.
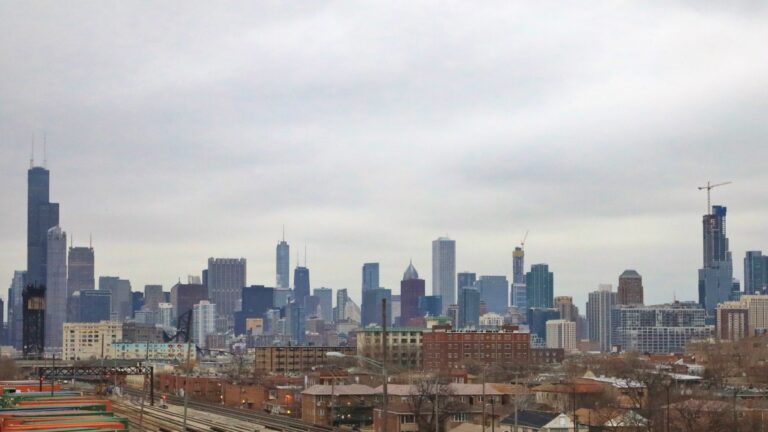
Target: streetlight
(378, 364)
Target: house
(610, 419)
(539, 421)
(338, 405)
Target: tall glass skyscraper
(325, 296)
(80, 270)
(716, 274)
(755, 272)
(539, 287)
(42, 215)
(469, 307)
(226, 280)
(56, 287)
(282, 258)
(370, 276)
(494, 291)
(444, 270)
(300, 285)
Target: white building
(88, 341)
(203, 321)
(757, 305)
(444, 270)
(491, 320)
(561, 334)
(165, 315)
(172, 352)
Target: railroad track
(162, 420)
(277, 423)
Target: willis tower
(41, 216)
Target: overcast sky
(182, 131)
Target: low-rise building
(445, 349)
(88, 341)
(338, 405)
(170, 352)
(290, 359)
(404, 345)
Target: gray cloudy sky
(179, 131)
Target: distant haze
(177, 132)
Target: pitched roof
(457, 389)
(530, 418)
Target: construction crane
(709, 188)
(522, 242)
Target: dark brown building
(630, 288)
(411, 288)
(285, 359)
(184, 296)
(732, 321)
(445, 349)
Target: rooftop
(340, 390)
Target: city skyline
(599, 175)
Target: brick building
(404, 345)
(279, 359)
(445, 349)
(335, 405)
(732, 321)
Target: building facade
(630, 289)
(122, 303)
(282, 264)
(732, 321)
(300, 284)
(80, 269)
(599, 308)
(371, 309)
(370, 276)
(90, 341)
(325, 299)
(165, 352)
(153, 296)
(755, 272)
(658, 329)
(293, 359)
(42, 215)
(444, 271)
(561, 334)
(185, 296)
(226, 280)
(716, 274)
(203, 322)
(92, 306)
(56, 287)
(540, 287)
(404, 345)
(411, 289)
(445, 349)
(469, 308)
(494, 291)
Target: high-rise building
(311, 305)
(282, 297)
(518, 266)
(561, 334)
(568, 311)
(33, 311)
(91, 306)
(300, 285)
(295, 321)
(56, 286)
(80, 270)
(431, 306)
(757, 305)
(663, 328)
(153, 296)
(371, 309)
(122, 303)
(599, 315)
(226, 280)
(325, 296)
(15, 318)
(370, 276)
(341, 305)
(630, 289)
(469, 308)
(539, 286)
(465, 280)
(732, 321)
(283, 264)
(519, 296)
(494, 291)
(137, 302)
(203, 322)
(755, 272)
(184, 296)
(411, 288)
(42, 215)
(537, 320)
(716, 274)
(165, 316)
(444, 270)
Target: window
(460, 417)
(408, 418)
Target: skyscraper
(561, 333)
(80, 270)
(755, 272)
(518, 266)
(537, 321)
(184, 296)
(539, 286)
(411, 288)
(341, 305)
(42, 215)
(15, 304)
(325, 295)
(282, 258)
(599, 315)
(431, 306)
(465, 280)
(658, 329)
(716, 274)
(444, 270)
(92, 305)
(300, 285)
(153, 296)
(226, 280)
(630, 289)
(256, 301)
(371, 309)
(568, 311)
(370, 276)
(56, 287)
(203, 322)
(469, 307)
(121, 296)
(494, 291)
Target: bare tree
(421, 402)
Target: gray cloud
(182, 131)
